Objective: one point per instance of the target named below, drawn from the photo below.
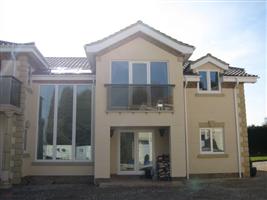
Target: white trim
(25, 48)
(211, 139)
(240, 79)
(96, 47)
(191, 78)
(67, 77)
(210, 59)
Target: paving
(203, 189)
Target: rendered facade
(136, 95)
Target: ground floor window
(64, 126)
(211, 140)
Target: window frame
(74, 107)
(209, 90)
(130, 71)
(211, 140)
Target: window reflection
(46, 122)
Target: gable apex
(92, 49)
(209, 59)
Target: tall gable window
(64, 128)
(209, 81)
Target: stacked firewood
(163, 167)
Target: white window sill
(209, 94)
(212, 155)
(62, 163)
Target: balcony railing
(10, 89)
(139, 97)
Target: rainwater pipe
(186, 131)
(237, 129)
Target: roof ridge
(4, 42)
(65, 57)
(136, 23)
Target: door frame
(135, 131)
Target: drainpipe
(186, 131)
(13, 60)
(237, 129)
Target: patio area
(231, 189)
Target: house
(135, 96)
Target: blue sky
(234, 31)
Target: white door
(135, 151)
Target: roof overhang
(240, 79)
(95, 47)
(35, 57)
(210, 59)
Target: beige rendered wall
(138, 50)
(30, 165)
(220, 109)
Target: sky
(234, 31)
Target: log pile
(163, 167)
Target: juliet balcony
(139, 97)
(10, 89)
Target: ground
(230, 189)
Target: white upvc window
(64, 124)
(139, 72)
(209, 82)
(211, 140)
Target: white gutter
(241, 79)
(237, 129)
(186, 132)
(61, 77)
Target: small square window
(211, 140)
(209, 81)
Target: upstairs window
(209, 81)
(124, 72)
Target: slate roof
(79, 63)
(232, 71)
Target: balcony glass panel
(10, 89)
(140, 97)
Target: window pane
(83, 123)
(139, 96)
(203, 81)
(205, 140)
(64, 122)
(139, 73)
(127, 151)
(158, 73)
(218, 140)
(214, 80)
(120, 72)
(145, 149)
(46, 122)
(119, 97)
